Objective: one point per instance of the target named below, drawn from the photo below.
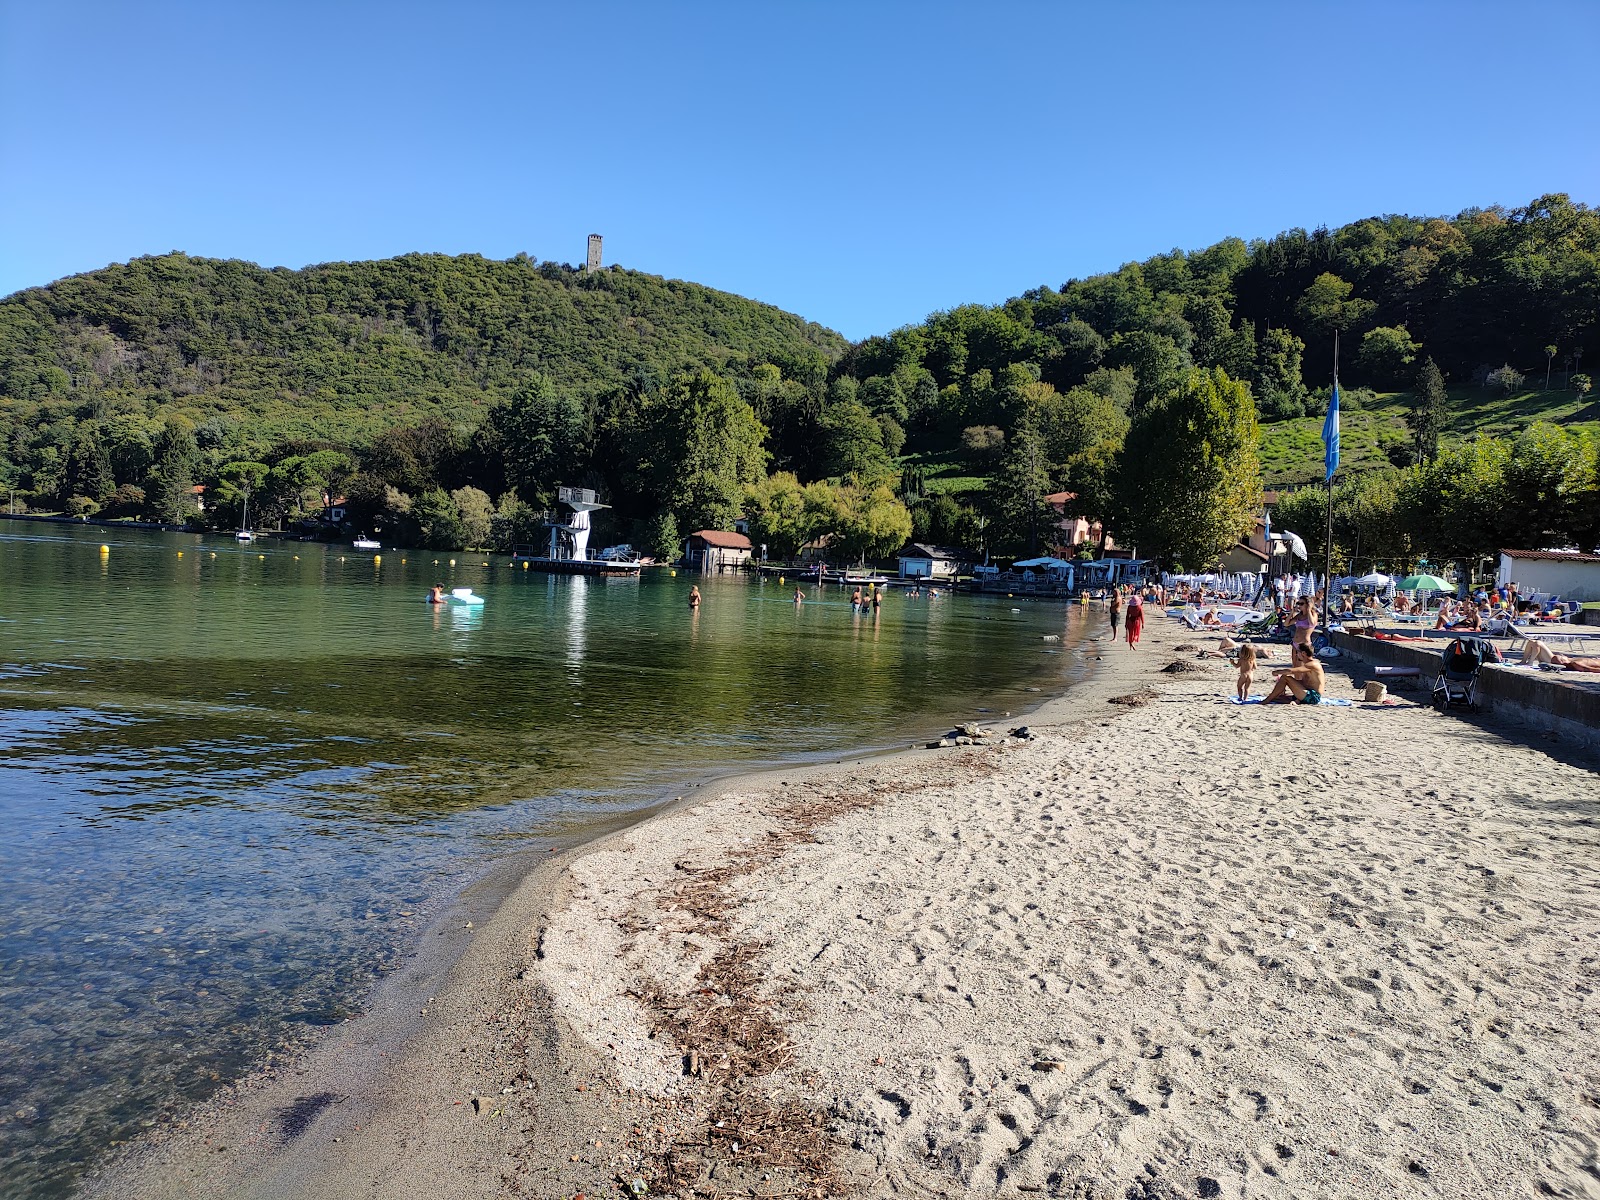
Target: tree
(867, 522)
(664, 541)
(1428, 411)
(474, 514)
(1328, 308)
(1386, 353)
(1155, 359)
(1283, 389)
(88, 466)
(1507, 378)
(1018, 488)
(698, 444)
(776, 508)
(1453, 506)
(438, 520)
(1549, 361)
(536, 436)
(169, 487)
(237, 482)
(1581, 384)
(1188, 480)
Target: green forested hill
(343, 351)
(447, 396)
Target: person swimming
(436, 594)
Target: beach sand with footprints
(1167, 948)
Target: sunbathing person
(1537, 653)
(1302, 683)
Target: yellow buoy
(341, 558)
(376, 559)
(297, 558)
(402, 562)
(213, 554)
(452, 562)
(180, 553)
(105, 549)
(261, 556)
(674, 574)
(524, 566)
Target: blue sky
(862, 164)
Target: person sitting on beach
(1303, 683)
(1247, 670)
(1447, 614)
(1469, 619)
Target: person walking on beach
(1116, 612)
(1135, 619)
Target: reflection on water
(236, 778)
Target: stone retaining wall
(1542, 699)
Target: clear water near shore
(235, 780)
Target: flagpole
(1333, 465)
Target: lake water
(236, 780)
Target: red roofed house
(1073, 531)
(715, 550)
(1564, 573)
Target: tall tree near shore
(1427, 416)
(1188, 479)
(1549, 361)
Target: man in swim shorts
(1303, 683)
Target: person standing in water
(694, 596)
(1135, 619)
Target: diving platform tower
(569, 536)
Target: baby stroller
(1457, 684)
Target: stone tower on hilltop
(594, 253)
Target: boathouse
(921, 561)
(714, 550)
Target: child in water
(1247, 669)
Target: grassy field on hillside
(1291, 451)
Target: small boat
(364, 543)
(245, 534)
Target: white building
(922, 561)
(1564, 573)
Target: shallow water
(236, 780)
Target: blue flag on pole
(1330, 429)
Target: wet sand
(1182, 948)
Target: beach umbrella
(1423, 583)
(1375, 579)
(1297, 545)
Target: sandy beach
(1170, 948)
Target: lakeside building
(921, 561)
(1566, 573)
(1074, 531)
(715, 550)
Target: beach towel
(1325, 702)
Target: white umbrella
(1295, 544)
(1375, 579)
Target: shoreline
(264, 1116)
(1091, 990)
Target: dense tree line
(445, 398)
(1472, 499)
